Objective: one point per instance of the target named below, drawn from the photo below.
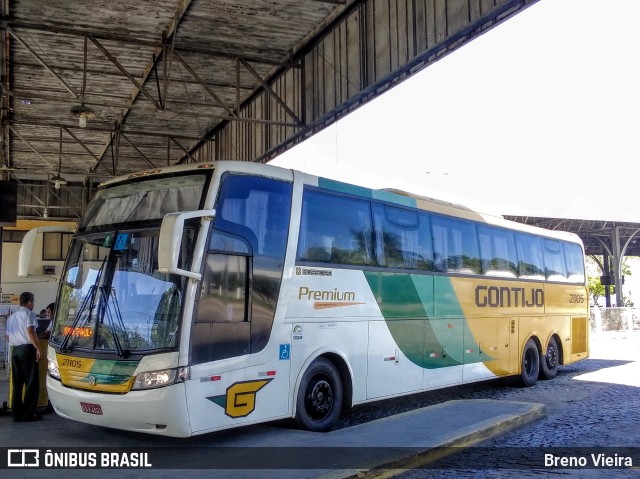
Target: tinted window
(222, 328)
(530, 263)
(554, 267)
(575, 262)
(228, 243)
(498, 251)
(402, 238)
(334, 229)
(256, 209)
(455, 245)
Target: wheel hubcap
(552, 357)
(528, 362)
(319, 399)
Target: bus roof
(391, 195)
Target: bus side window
(256, 209)
(554, 266)
(335, 229)
(455, 245)
(575, 262)
(497, 252)
(530, 262)
(222, 242)
(402, 238)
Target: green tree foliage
(596, 290)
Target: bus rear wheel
(550, 361)
(320, 396)
(530, 367)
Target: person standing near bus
(25, 353)
(48, 313)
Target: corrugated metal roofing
(164, 82)
(218, 53)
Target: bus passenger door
(242, 372)
(222, 328)
(220, 340)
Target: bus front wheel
(530, 363)
(550, 361)
(320, 396)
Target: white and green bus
(202, 297)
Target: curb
(464, 438)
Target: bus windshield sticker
(121, 242)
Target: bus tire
(320, 396)
(550, 361)
(530, 366)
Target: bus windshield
(149, 200)
(114, 298)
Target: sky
(538, 117)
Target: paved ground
(282, 451)
(593, 404)
(593, 407)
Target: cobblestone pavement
(592, 406)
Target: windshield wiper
(88, 301)
(107, 296)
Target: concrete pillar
(607, 272)
(617, 264)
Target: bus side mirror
(26, 247)
(170, 242)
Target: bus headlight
(52, 367)
(160, 378)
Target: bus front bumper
(160, 411)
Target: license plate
(91, 408)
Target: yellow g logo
(240, 400)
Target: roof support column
(606, 270)
(617, 265)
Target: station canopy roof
(596, 235)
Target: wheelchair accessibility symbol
(284, 351)
(121, 242)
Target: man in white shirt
(25, 353)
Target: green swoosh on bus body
(407, 304)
